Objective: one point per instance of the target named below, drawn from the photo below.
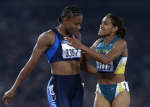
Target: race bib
(70, 52)
(104, 67)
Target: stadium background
(21, 21)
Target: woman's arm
(117, 50)
(84, 66)
(44, 41)
(38, 51)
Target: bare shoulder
(121, 43)
(47, 37)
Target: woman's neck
(61, 30)
(108, 39)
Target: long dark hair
(118, 21)
(69, 12)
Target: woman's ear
(115, 28)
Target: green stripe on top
(104, 49)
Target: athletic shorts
(65, 91)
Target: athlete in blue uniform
(110, 53)
(64, 87)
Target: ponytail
(121, 32)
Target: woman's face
(73, 25)
(106, 27)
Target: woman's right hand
(8, 96)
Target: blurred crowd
(21, 22)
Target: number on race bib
(70, 52)
(104, 67)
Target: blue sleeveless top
(117, 66)
(61, 51)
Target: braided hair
(69, 12)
